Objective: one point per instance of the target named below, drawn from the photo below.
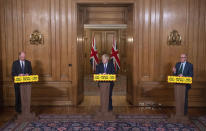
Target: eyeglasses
(183, 57)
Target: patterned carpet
(123, 123)
(200, 123)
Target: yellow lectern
(104, 85)
(25, 90)
(179, 91)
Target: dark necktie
(180, 70)
(105, 68)
(22, 67)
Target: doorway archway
(78, 38)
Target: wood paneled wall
(105, 15)
(50, 60)
(1, 76)
(156, 19)
(151, 61)
(131, 69)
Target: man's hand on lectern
(21, 74)
(26, 74)
(180, 75)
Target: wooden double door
(104, 41)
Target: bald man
(184, 68)
(20, 67)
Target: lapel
(107, 67)
(178, 67)
(102, 68)
(25, 65)
(19, 64)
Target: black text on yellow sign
(106, 77)
(177, 79)
(24, 79)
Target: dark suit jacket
(187, 72)
(110, 69)
(16, 68)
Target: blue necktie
(105, 68)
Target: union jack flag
(115, 56)
(94, 55)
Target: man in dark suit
(20, 67)
(184, 68)
(107, 67)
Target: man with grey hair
(107, 67)
(184, 68)
(20, 67)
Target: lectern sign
(106, 77)
(181, 80)
(24, 79)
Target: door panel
(104, 41)
(99, 41)
(80, 56)
(109, 38)
(130, 71)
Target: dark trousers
(110, 96)
(18, 98)
(186, 100)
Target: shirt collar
(21, 61)
(105, 64)
(183, 62)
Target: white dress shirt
(105, 65)
(22, 63)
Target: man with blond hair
(107, 67)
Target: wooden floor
(90, 105)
